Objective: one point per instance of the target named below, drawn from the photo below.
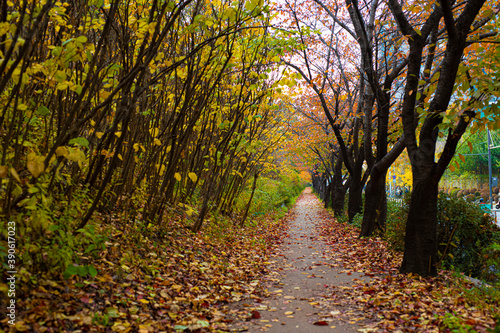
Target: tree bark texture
(420, 252)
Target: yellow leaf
(136, 147)
(62, 86)
(76, 155)
(118, 134)
(35, 164)
(14, 174)
(145, 301)
(157, 142)
(193, 176)
(154, 132)
(62, 151)
(178, 176)
(99, 134)
(4, 170)
(120, 157)
(22, 107)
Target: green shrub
(463, 231)
(491, 263)
(45, 239)
(271, 194)
(357, 221)
(397, 212)
(470, 197)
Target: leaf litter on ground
(397, 302)
(185, 282)
(146, 283)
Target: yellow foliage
(35, 164)
(3, 171)
(193, 176)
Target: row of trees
(132, 105)
(151, 105)
(388, 76)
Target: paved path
(304, 281)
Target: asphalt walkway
(303, 283)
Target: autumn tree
(429, 89)
(381, 65)
(315, 143)
(135, 108)
(320, 62)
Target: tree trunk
(375, 212)
(355, 198)
(328, 191)
(254, 185)
(420, 253)
(338, 201)
(356, 187)
(338, 188)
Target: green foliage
(397, 211)
(357, 221)
(73, 151)
(468, 158)
(491, 263)
(271, 194)
(470, 197)
(466, 235)
(79, 270)
(454, 323)
(463, 231)
(45, 236)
